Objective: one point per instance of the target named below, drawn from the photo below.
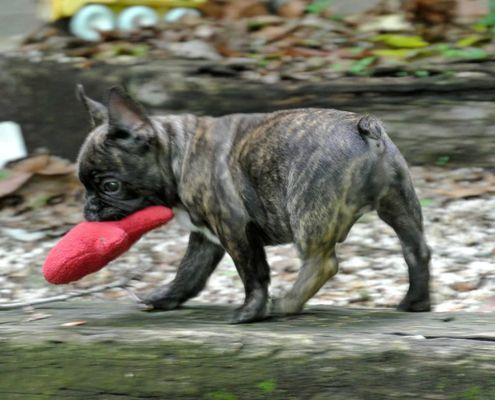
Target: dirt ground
(459, 213)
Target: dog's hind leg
(401, 209)
(315, 271)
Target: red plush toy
(89, 246)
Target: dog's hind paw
(250, 312)
(422, 305)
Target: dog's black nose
(90, 215)
(92, 208)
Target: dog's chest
(182, 217)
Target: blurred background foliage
(296, 39)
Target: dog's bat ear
(124, 113)
(97, 111)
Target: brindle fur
(303, 176)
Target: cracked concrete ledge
(117, 351)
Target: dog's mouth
(99, 208)
(105, 214)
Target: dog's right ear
(97, 112)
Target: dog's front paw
(161, 299)
(415, 305)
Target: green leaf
(401, 41)
(470, 40)
(426, 202)
(268, 386)
(468, 54)
(360, 66)
(318, 6)
(421, 73)
(489, 20)
(393, 53)
(140, 50)
(4, 174)
(443, 160)
(263, 62)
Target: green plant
(468, 54)
(401, 41)
(360, 67)
(426, 202)
(318, 6)
(489, 20)
(421, 73)
(442, 160)
(268, 386)
(221, 395)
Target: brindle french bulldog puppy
(245, 181)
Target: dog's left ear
(97, 111)
(125, 114)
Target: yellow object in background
(89, 19)
(53, 10)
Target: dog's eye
(111, 186)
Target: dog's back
(308, 170)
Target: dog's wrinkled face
(118, 162)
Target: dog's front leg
(201, 258)
(250, 261)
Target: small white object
(12, 144)
(137, 17)
(90, 20)
(183, 219)
(176, 14)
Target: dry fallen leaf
(461, 192)
(292, 9)
(13, 182)
(244, 9)
(21, 171)
(465, 286)
(32, 164)
(57, 166)
(430, 11)
(273, 33)
(43, 164)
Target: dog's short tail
(371, 127)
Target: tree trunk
(428, 118)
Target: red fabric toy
(89, 246)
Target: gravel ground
(459, 212)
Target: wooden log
(120, 352)
(447, 116)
